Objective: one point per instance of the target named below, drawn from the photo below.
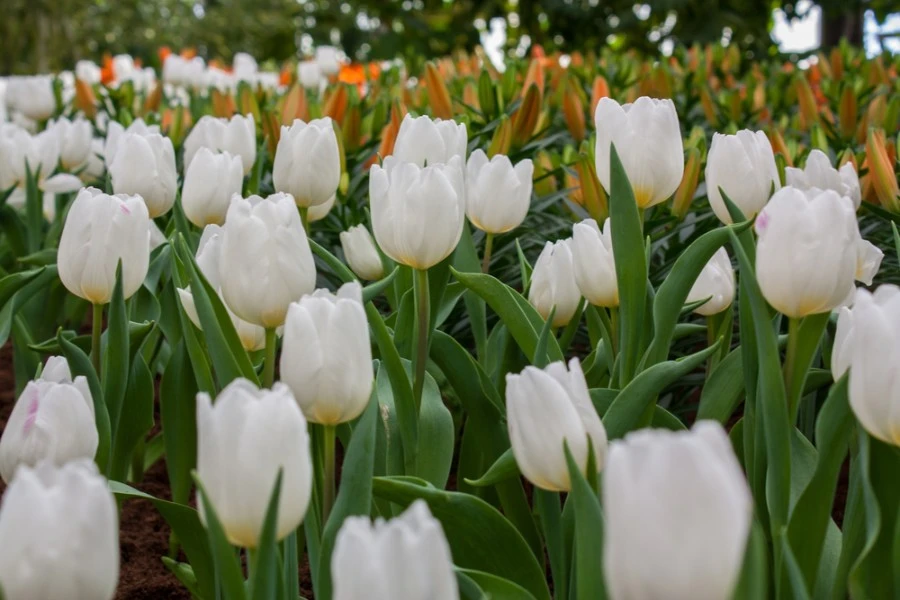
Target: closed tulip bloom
(326, 358)
(88, 71)
(868, 261)
(546, 407)
(498, 194)
(743, 165)
(75, 141)
(60, 532)
(678, 513)
(32, 96)
(329, 59)
(269, 264)
(145, 165)
(553, 283)
(253, 337)
(101, 230)
(236, 135)
(309, 74)
(716, 282)
(320, 211)
(52, 420)
(648, 140)
(818, 173)
(874, 349)
(115, 132)
(426, 141)
(361, 253)
(21, 151)
(595, 267)
(210, 182)
(242, 443)
(807, 253)
(308, 162)
(406, 558)
(417, 213)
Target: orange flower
(107, 72)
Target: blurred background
(49, 35)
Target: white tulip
(716, 282)
(242, 443)
(361, 253)
(269, 263)
(548, 409)
(320, 211)
(95, 165)
(595, 267)
(244, 66)
(406, 558)
(32, 96)
(60, 532)
(328, 58)
(818, 173)
(553, 283)
(75, 141)
(18, 148)
(210, 182)
(236, 135)
(426, 141)
(123, 66)
(253, 337)
(88, 71)
(807, 253)
(868, 261)
(874, 349)
(648, 140)
(326, 357)
(188, 72)
(52, 420)
(145, 165)
(417, 213)
(309, 74)
(308, 162)
(498, 194)
(115, 131)
(678, 513)
(100, 230)
(743, 165)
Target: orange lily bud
(544, 182)
(525, 119)
(85, 100)
(779, 146)
(684, 195)
(502, 139)
(438, 96)
(573, 111)
(294, 105)
(809, 111)
(352, 128)
(881, 170)
(709, 107)
(534, 76)
(271, 130)
(599, 90)
(837, 63)
(336, 105)
(151, 104)
(223, 103)
(877, 111)
(470, 95)
(390, 131)
(847, 112)
(593, 197)
(248, 102)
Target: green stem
(137, 461)
(96, 331)
(423, 310)
(488, 248)
(790, 360)
(269, 364)
(328, 487)
(610, 321)
(251, 559)
(304, 218)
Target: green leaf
(355, 495)
(480, 537)
(264, 579)
(631, 266)
(116, 368)
(80, 364)
(504, 468)
(184, 573)
(465, 259)
(178, 416)
(803, 345)
(135, 421)
(199, 360)
(754, 581)
(522, 320)
(373, 290)
(434, 455)
(185, 524)
(12, 283)
(722, 389)
(588, 551)
(227, 568)
(23, 289)
(540, 358)
(497, 588)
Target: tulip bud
(210, 182)
(885, 298)
(743, 165)
(553, 283)
(813, 233)
(498, 194)
(32, 96)
(243, 441)
(881, 171)
(329, 59)
(657, 480)
(648, 140)
(716, 282)
(595, 267)
(252, 337)
(417, 213)
(20, 152)
(319, 212)
(309, 74)
(307, 162)
(237, 136)
(145, 165)
(548, 409)
(818, 173)
(115, 132)
(326, 357)
(101, 230)
(424, 141)
(269, 263)
(75, 138)
(361, 254)
(52, 420)
(684, 195)
(367, 558)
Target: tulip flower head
(647, 137)
(545, 408)
(243, 441)
(426, 141)
(498, 194)
(32, 96)
(144, 165)
(210, 182)
(60, 532)
(716, 282)
(236, 135)
(818, 173)
(553, 283)
(308, 162)
(595, 267)
(361, 253)
(406, 558)
(743, 165)
(678, 513)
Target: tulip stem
(488, 248)
(269, 363)
(304, 218)
(423, 310)
(96, 331)
(328, 487)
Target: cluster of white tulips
(269, 366)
